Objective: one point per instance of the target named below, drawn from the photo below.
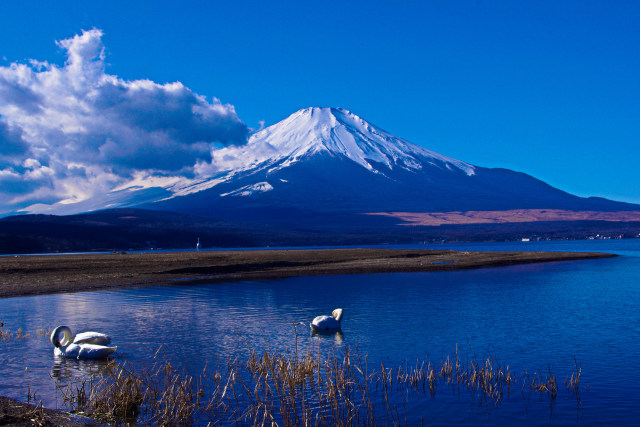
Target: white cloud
(70, 132)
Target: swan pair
(327, 323)
(86, 345)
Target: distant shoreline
(42, 274)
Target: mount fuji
(322, 176)
(323, 162)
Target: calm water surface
(528, 316)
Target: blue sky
(544, 87)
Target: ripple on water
(528, 316)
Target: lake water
(529, 316)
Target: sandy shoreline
(31, 275)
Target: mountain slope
(326, 160)
(323, 176)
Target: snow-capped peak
(335, 131)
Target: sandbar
(44, 274)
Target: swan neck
(67, 337)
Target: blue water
(530, 316)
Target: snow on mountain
(310, 131)
(335, 131)
(248, 190)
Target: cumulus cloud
(13, 146)
(73, 131)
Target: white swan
(87, 345)
(327, 323)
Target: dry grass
(7, 335)
(543, 383)
(272, 388)
(573, 384)
(125, 391)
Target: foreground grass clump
(272, 388)
(124, 391)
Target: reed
(44, 331)
(573, 384)
(275, 388)
(540, 383)
(125, 392)
(7, 335)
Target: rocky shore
(15, 413)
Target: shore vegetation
(274, 388)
